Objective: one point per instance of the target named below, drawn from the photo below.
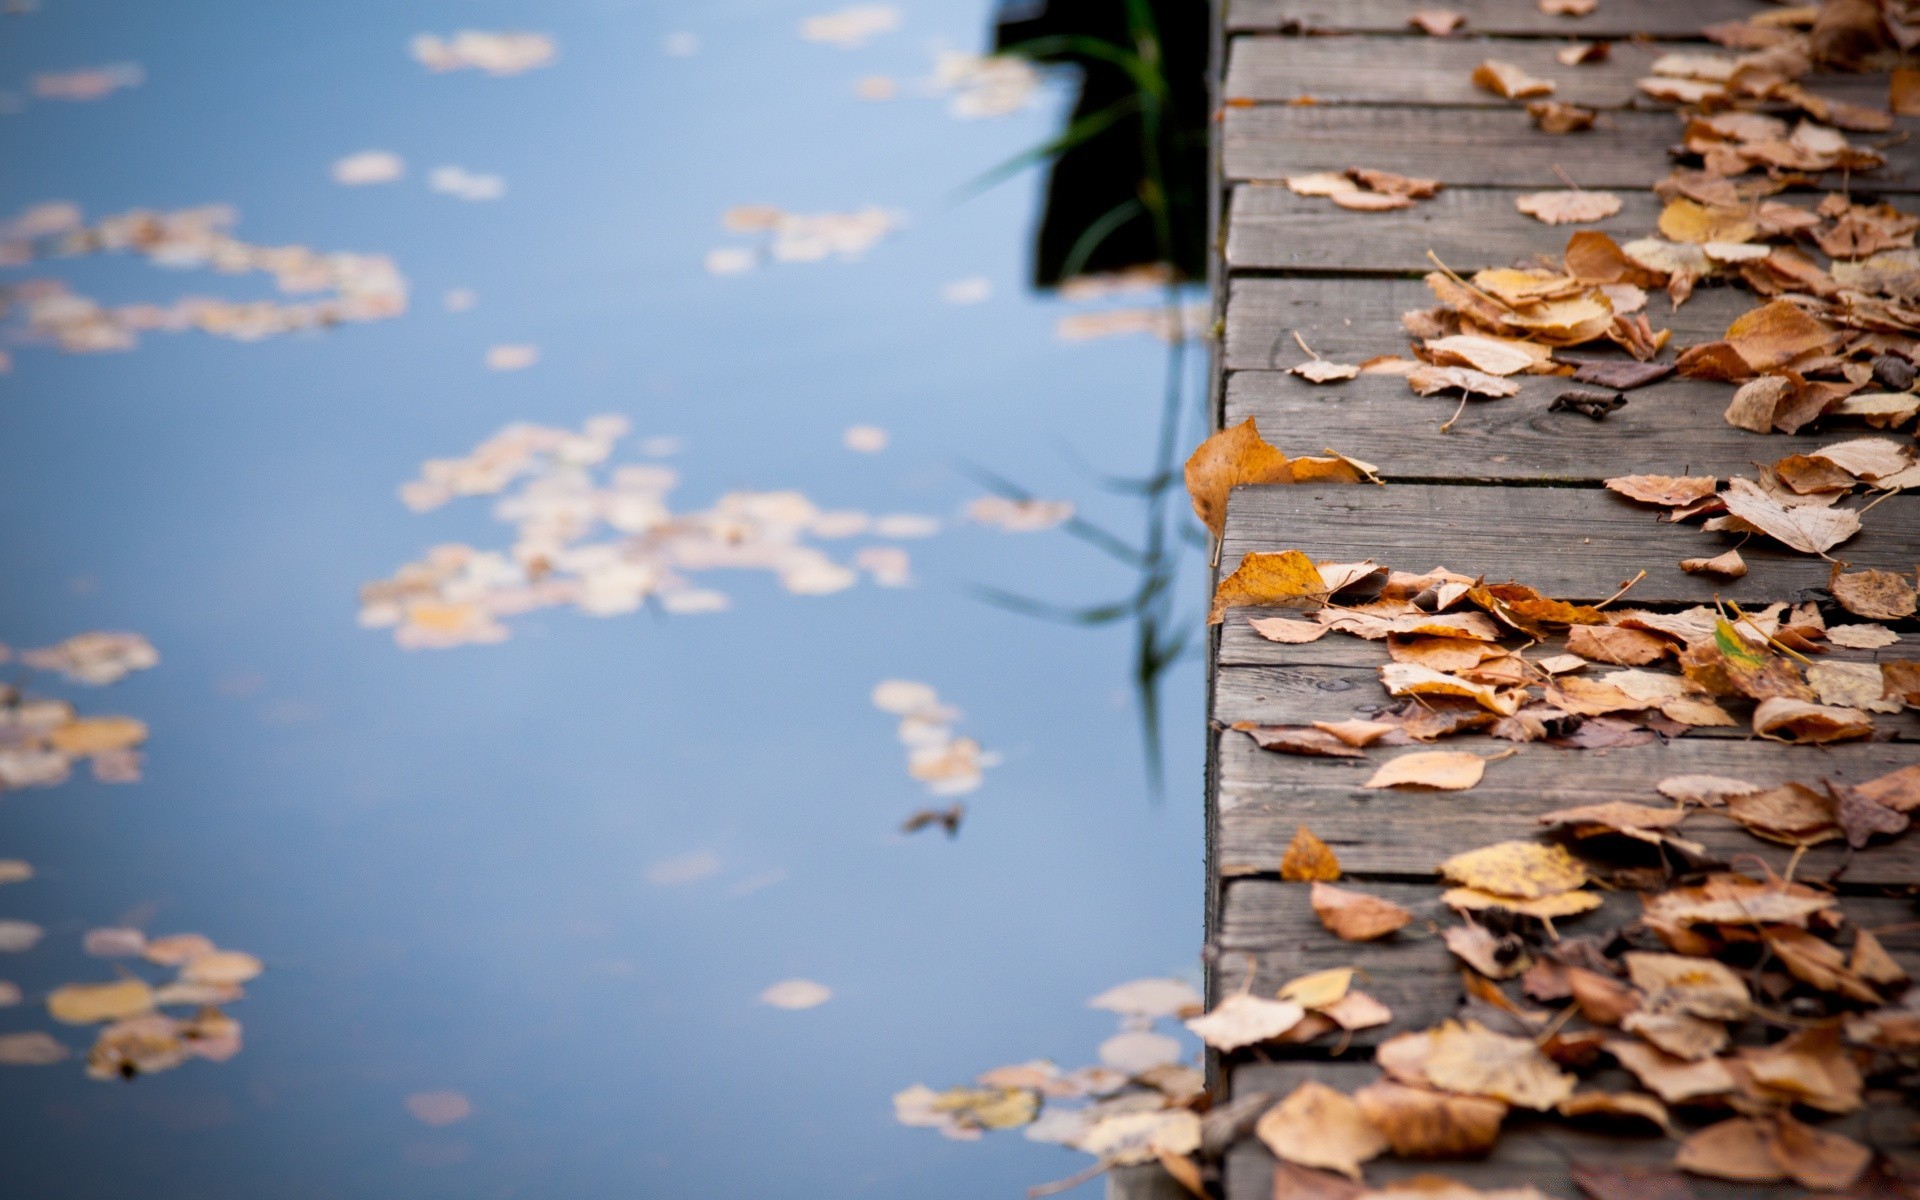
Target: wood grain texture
(1673, 427)
(1438, 72)
(1262, 797)
(1621, 18)
(1469, 147)
(1269, 935)
(1272, 229)
(1534, 1149)
(1352, 320)
(1571, 543)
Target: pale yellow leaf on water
(222, 966)
(177, 948)
(1320, 183)
(1151, 998)
(796, 994)
(1568, 207)
(1525, 869)
(1446, 770)
(439, 1109)
(97, 735)
(14, 870)
(89, 1003)
(1317, 1126)
(1510, 81)
(1319, 989)
(1244, 1020)
(34, 1049)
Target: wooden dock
(1511, 491)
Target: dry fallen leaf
(1230, 458)
(1151, 998)
(1316, 1126)
(1701, 987)
(1669, 491)
(1244, 1020)
(1436, 22)
(1674, 1080)
(1551, 116)
(1808, 528)
(1308, 859)
(1568, 207)
(1876, 595)
(1496, 958)
(1473, 1060)
(1319, 370)
(1529, 870)
(1735, 1149)
(1447, 770)
(1787, 720)
(89, 1003)
(1419, 1123)
(1430, 380)
(1287, 579)
(1724, 566)
(1288, 632)
(1815, 1158)
(1513, 83)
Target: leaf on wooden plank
(1621, 376)
(1814, 961)
(1436, 22)
(1876, 595)
(1721, 566)
(1228, 459)
(1419, 1123)
(1701, 987)
(1861, 819)
(1807, 527)
(1898, 790)
(1552, 116)
(1445, 770)
(1308, 858)
(1851, 685)
(1319, 370)
(1394, 185)
(1288, 632)
(1567, 208)
(1509, 81)
(1614, 816)
(1357, 1010)
(1756, 401)
(1684, 220)
(1670, 491)
(1815, 1158)
(1524, 869)
(1871, 962)
(1861, 637)
(1810, 1065)
(1545, 908)
(1428, 380)
(1793, 814)
(1355, 732)
(1787, 720)
(1320, 183)
(1736, 1149)
(1580, 53)
(1630, 1183)
(91, 1003)
(1245, 1020)
(1776, 333)
(1356, 916)
(1901, 680)
(1674, 1080)
(1602, 999)
(1494, 957)
(1318, 989)
(1568, 8)
(1683, 1036)
(1287, 579)
(1495, 356)
(1357, 201)
(1870, 458)
(1297, 739)
(1637, 1106)
(1411, 679)
(1471, 1059)
(1616, 644)
(1317, 1126)
(1151, 998)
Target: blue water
(442, 855)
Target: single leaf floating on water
(1316, 1126)
(14, 870)
(1319, 370)
(1876, 595)
(1446, 770)
(221, 966)
(97, 735)
(1308, 858)
(1287, 579)
(18, 936)
(91, 1003)
(1551, 116)
(1724, 566)
(439, 1109)
(1423, 1124)
(1244, 1020)
(1508, 81)
(1356, 916)
(177, 948)
(1288, 632)
(35, 1049)
(1151, 998)
(1568, 207)
(1807, 528)
(1671, 491)
(796, 994)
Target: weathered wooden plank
(1534, 1149)
(1621, 18)
(1270, 228)
(1578, 544)
(1240, 646)
(1378, 419)
(1268, 935)
(1469, 147)
(1351, 320)
(1301, 693)
(1437, 71)
(1261, 797)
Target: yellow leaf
(88, 1003)
(1319, 989)
(1308, 859)
(1525, 869)
(1284, 580)
(1448, 770)
(1226, 460)
(97, 735)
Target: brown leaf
(1569, 207)
(1630, 1183)
(1871, 962)
(1355, 732)
(1505, 79)
(1371, 201)
(1633, 1105)
(1862, 818)
(1876, 595)
(1316, 1126)
(1757, 400)
(1231, 457)
(1356, 916)
(1817, 962)
(1616, 644)
(1419, 1123)
(1736, 1149)
(1473, 1060)
(1602, 1000)
(1702, 987)
(1394, 185)
(1788, 720)
(1496, 958)
(1683, 1036)
(1902, 681)
(1284, 580)
(1308, 858)
(1551, 116)
(1431, 380)
(1288, 632)
(1808, 528)
(1244, 1020)
(1297, 739)
(1813, 1157)
(1674, 1080)
(1811, 1066)
(1792, 814)
(1710, 791)
(1670, 491)
(1776, 333)
(1436, 22)
(1725, 566)
(1621, 375)
(1298, 1183)
(1446, 770)
(1898, 790)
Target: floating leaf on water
(439, 1109)
(796, 993)
(1245, 1020)
(34, 1049)
(89, 1003)
(1151, 998)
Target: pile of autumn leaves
(40, 739)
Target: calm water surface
(555, 874)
